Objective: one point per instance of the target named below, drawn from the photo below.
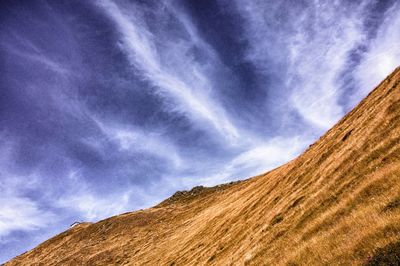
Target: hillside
(337, 203)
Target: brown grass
(336, 204)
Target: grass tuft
(277, 219)
(394, 204)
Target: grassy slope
(337, 203)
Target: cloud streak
(20, 213)
(315, 42)
(191, 97)
(382, 54)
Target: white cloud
(266, 156)
(316, 42)
(18, 212)
(256, 159)
(94, 207)
(21, 213)
(383, 55)
(28, 51)
(316, 61)
(134, 139)
(189, 90)
(90, 205)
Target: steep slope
(337, 203)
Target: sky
(110, 106)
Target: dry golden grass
(336, 204)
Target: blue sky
(111, 106)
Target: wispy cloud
(36, 56)
(18, 213)
(257, 159)
(319, 52)
(136, 140)
(383, 55)
(189, 96)
(93, 207)
(89, 205)
(314, 43)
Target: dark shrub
(388, 256)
